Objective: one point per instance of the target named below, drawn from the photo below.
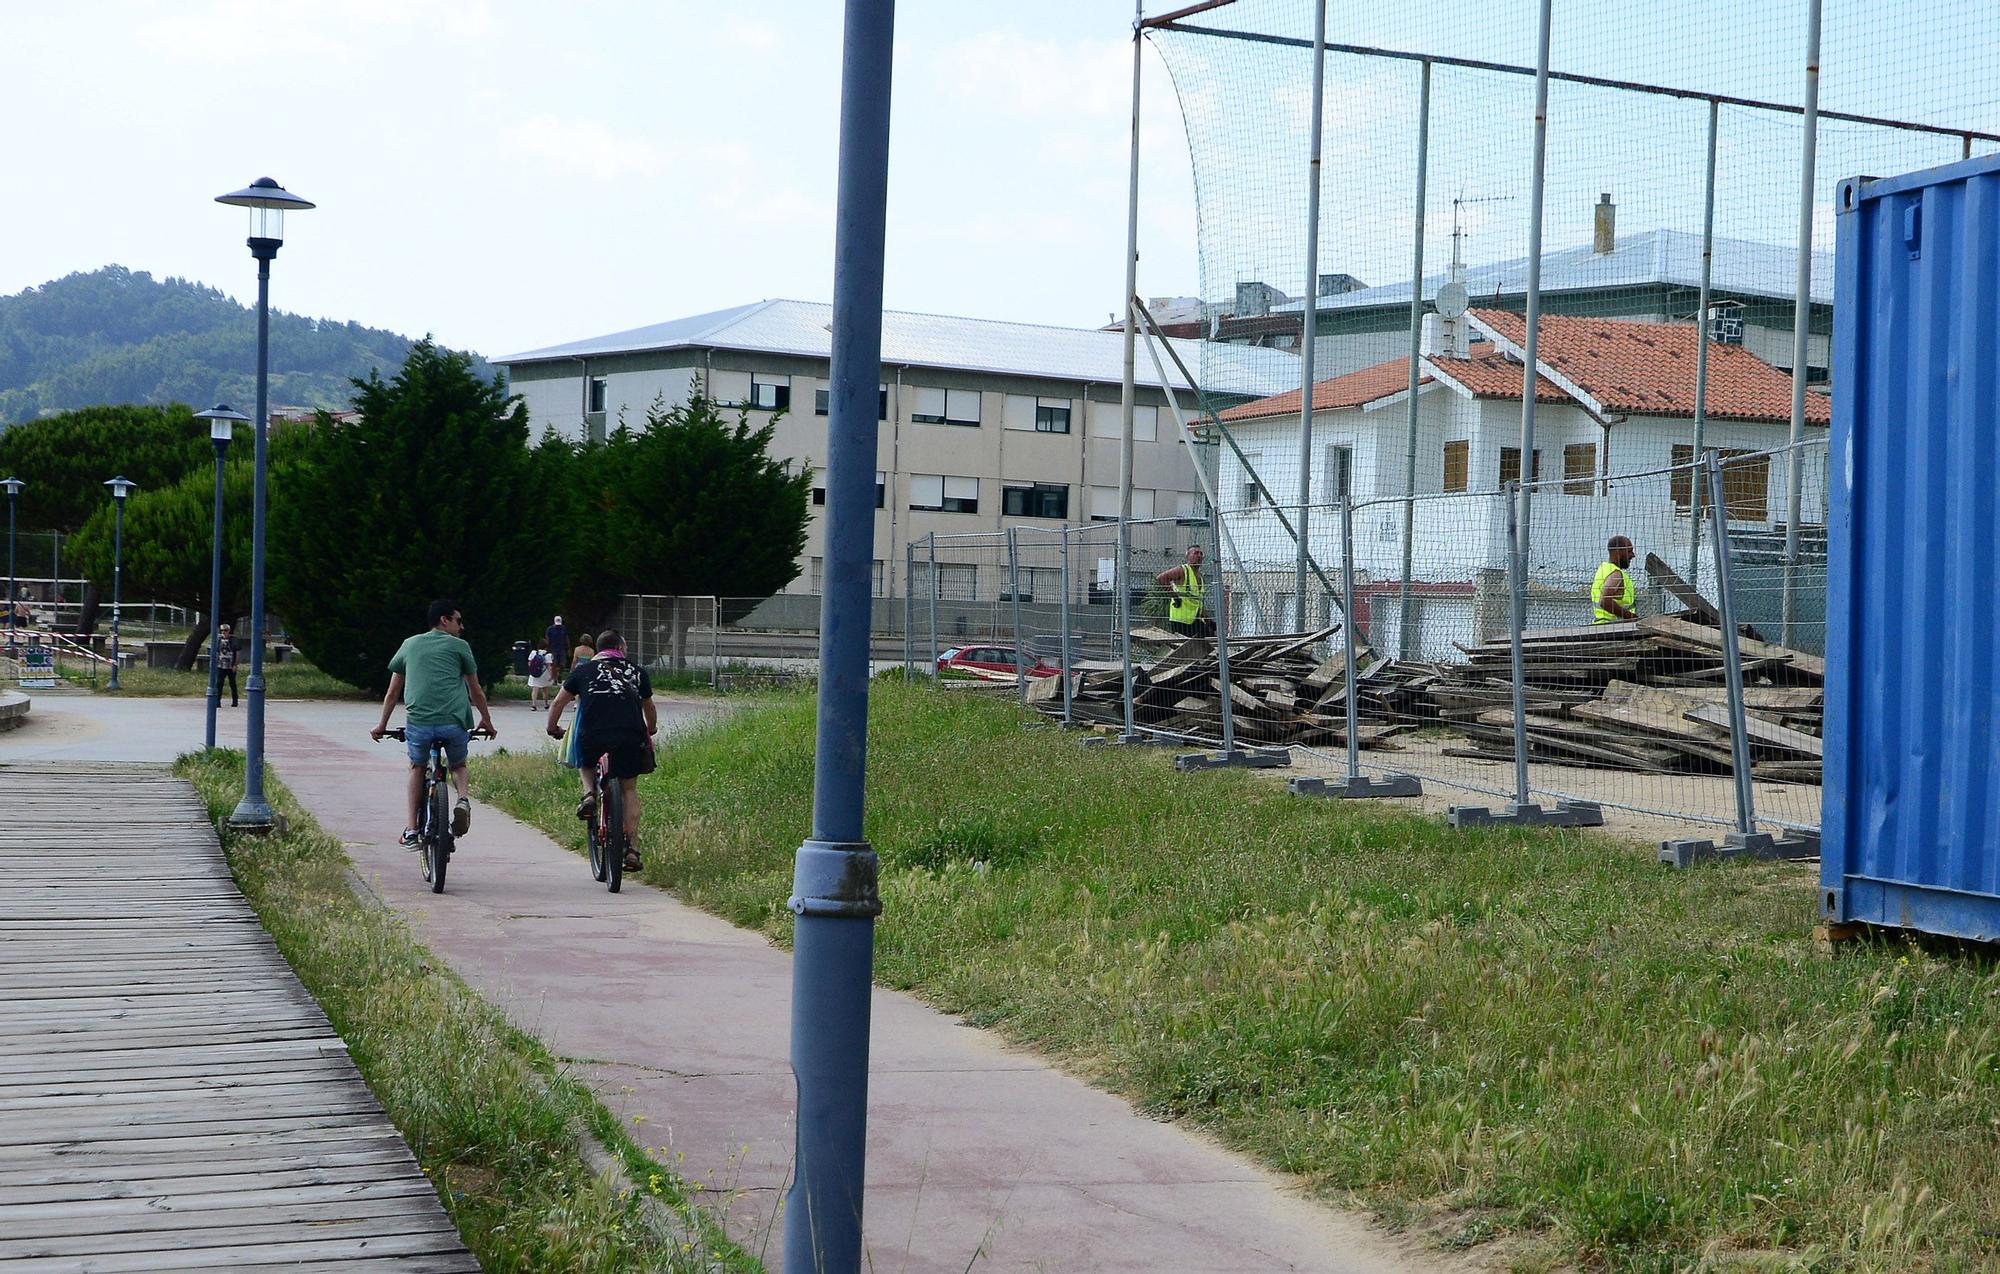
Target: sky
(506, 175)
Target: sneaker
(586, 809)
(409, 840)
(461, 817)
(632, 862)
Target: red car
(991, 659)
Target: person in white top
(541, 675)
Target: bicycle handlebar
(401, 736)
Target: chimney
(1604, 234)
(1253, 300)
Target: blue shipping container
(1911, 821)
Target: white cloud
(585, 146)
(753, 34)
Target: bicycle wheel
(437, 846)
(612, 800)
(597, 854)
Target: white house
(1613, 397)
(984, 425)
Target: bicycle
(604, 830)
(434, 837)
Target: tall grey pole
(1222, 634)
(834, 893)
(253, 812)
(1710, 474)
(13, 486)
(1348, 636)
(1309, 313)
(1014, 593)
(934, 608)
(1063, 659)
(1517, 621)
(1130, 400)
(1530, 350)
(1695, 486)
(117, 578)
(1801, 319)
(215, 602)
(1403, 643)
(909, 610)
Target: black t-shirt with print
(608, 692)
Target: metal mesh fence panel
(669, 634)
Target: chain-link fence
(671, 634)
(1612, 613)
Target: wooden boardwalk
(170, 1097)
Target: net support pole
(1702, 337)
(1403, 643)
(1014, 595)
(1309, 313)
(1801, 322)
(909, 610)
(1222, 636)
(1129, 400)
(1062, 659)
(1534, 308)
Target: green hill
(121, 336)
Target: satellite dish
(1452, 300)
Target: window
(1252, 494)
(1052, 416)
(1457, 464)
(874, 583)
(946, 406)
(1746, 484)
(770, 394)
(1104, 504)
(823, 402)
(599, 386)
(1041, 500)
(1107, 420)
(1035, 415)
(1041, 582)
(881, 492)
(957, 581)
(1510, 465)
(940, 494)
(1339, 474)
(727, 388)
(1579, 467)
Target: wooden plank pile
(1288, 688)
(1647, 697)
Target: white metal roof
(1742, 267)
(939, 340)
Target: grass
(1535, 1039)
(490, 1115)
(293, 679)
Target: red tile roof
(1647, 369)
(1495, 376)
(1352, 390)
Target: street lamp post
(222, 421)
(120, 488)
(268, 203)
(13, 486)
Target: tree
(430, 494)
(694, 505)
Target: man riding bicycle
(437, 679)
(617, 721)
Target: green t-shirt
(434, 667)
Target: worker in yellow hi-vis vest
(1613, 593)
(1189, 592)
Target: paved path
(170, 1096)
(680, 1022)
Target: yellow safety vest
(1186, 606)
(1598, 614)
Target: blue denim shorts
(419, 738)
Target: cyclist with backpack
(616, 721)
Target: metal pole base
(254, 817)
(1235, 758)
(1564, 814)
(1132, 740)
(1359, 787)
(1686, 853)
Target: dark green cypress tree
(431, 493)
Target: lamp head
(120, 487)
(222, 421)
(268, 202)
(12, 485)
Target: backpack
(538, 664)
